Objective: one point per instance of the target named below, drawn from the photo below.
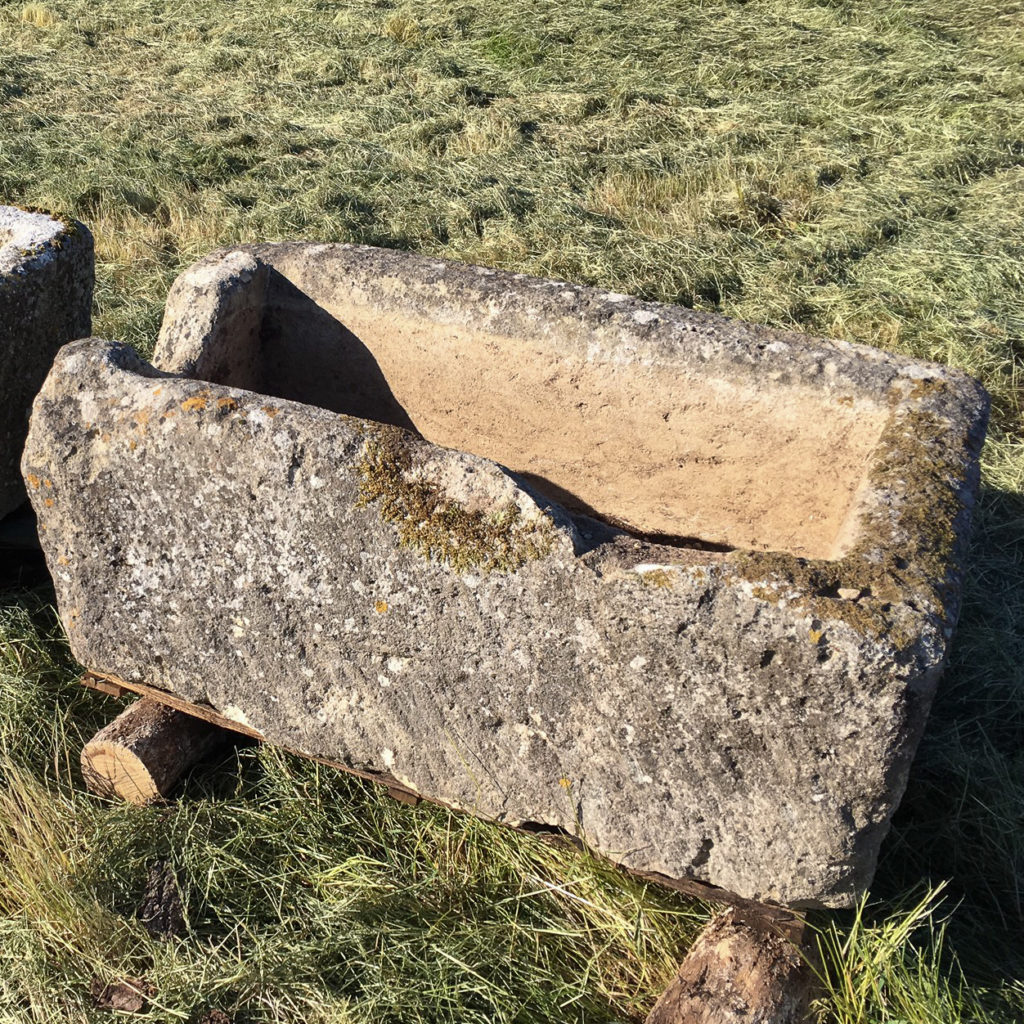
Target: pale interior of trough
(762, 468)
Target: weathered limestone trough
(46, 277)
(678, 585)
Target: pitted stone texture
(46, 279)
(717, 715)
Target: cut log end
(113, 771)
(142, 753)
(736, 973)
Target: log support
(142, 753)
(739, 971)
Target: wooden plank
(782, 921)
(103, 685)
(106, 683)
(403, 796)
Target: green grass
(849, 169)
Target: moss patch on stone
(431, 523)
(908, 557)
(657, 578)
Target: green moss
(431, 523)
(657, 578)
(906, 558)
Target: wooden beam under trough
(739, 972)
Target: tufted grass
(848, 169)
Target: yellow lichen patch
(48, 502)
(227, 404)
(132, 445)
(33, 481)
(63, 560)
(141, 417)
(158, 389)
(926, 386)
(271, 410)
(48, 483)
(815, 635)
(196, 403)
(380, 607)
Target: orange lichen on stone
(271, 410)
(33, 481)
(48, 502)
(196, 403)
(227, 404)
(380, 607)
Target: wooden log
(738, 972)
(145, 750)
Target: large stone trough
(46, 278)
(678, 585)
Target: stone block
(678, 585)
(46, 278)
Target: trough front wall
(219, 544)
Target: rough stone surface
(357, 592)
(46, 278)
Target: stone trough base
(773, 918)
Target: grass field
(854, 169)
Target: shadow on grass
(962, 817)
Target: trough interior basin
(749, 463)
